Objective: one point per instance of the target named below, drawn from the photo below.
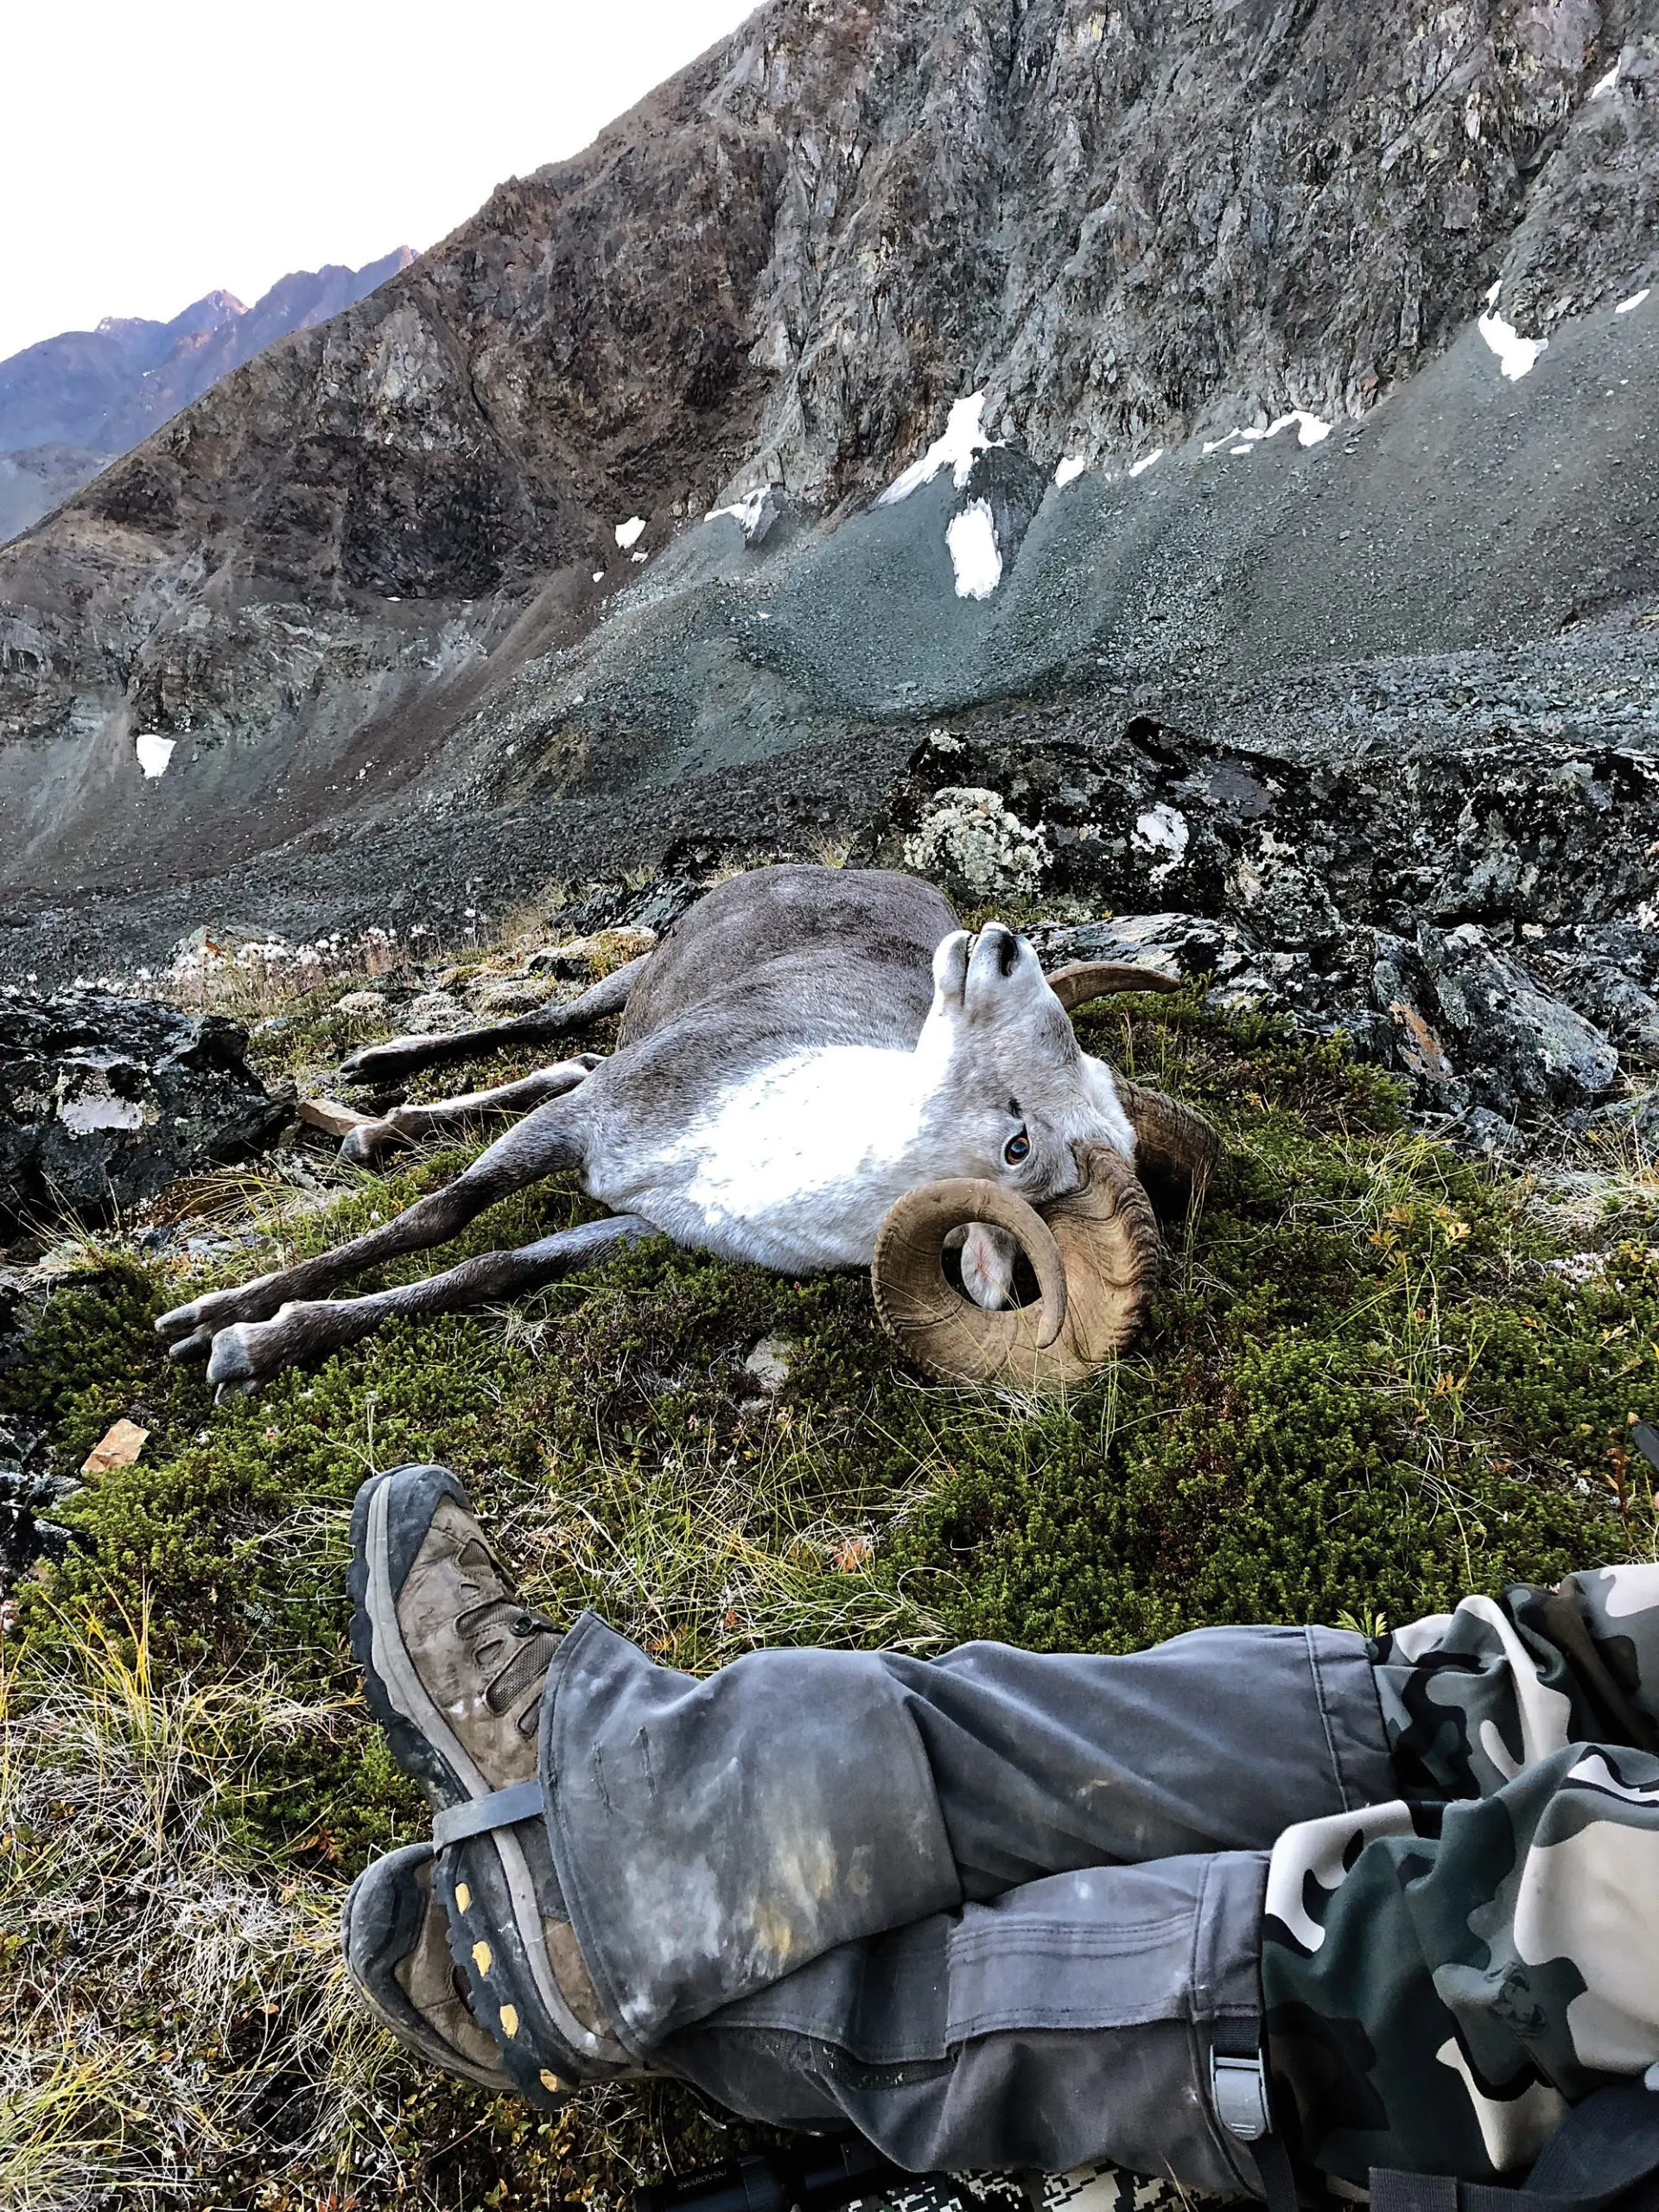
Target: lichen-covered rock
(1145, 816)
(103, 1101)
(1474, 1026)
(435, 1011)
(969, 841)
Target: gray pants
(994, 1910)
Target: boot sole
(399, 2016)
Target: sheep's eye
(1017, 1148)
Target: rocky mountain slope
(432, 585)
(69, 403)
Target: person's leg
(706, 1841)
(1442, 1981)
(1070, 2022)
(849, 1793)
(1469, 1698)
(712, 1835)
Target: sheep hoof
(362, 1146)
(232, 1370)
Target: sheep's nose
(1006, 947)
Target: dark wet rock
(1610, 975)
(105, 1100)
(1474, 1026)
(1635, 1119)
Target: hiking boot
(453, 1669)
(452, 1664)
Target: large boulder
(1474, 1025)
(1466, 1019)
(104, 1101)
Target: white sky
(150, 154)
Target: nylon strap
(502, 1808)
(1604, 2154)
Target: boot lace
(519, 1644)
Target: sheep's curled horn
(1096, 1254)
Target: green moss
(1364, 1390)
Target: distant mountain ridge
(69, 405)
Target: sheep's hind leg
(405, 1124)
(402, 1055)
(543, 1142)
(251, 1352)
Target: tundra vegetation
(1377, 1376)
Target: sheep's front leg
(364, 1145)
(402, 1055)
(546, 1140)
(251, 1352)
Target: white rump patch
(1066, 470)
(1635, 301)
(154, 752)
(974, 553)
(963, 439)
(1139, 467)
(1515, 355)
(630, 532)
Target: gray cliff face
(373, 577)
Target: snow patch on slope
(963, 439)
(1515, 355)
(974, 554)
(630, 532)
(1310, 431)
(746, 512)
(154, 752)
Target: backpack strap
(1604, 2153)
